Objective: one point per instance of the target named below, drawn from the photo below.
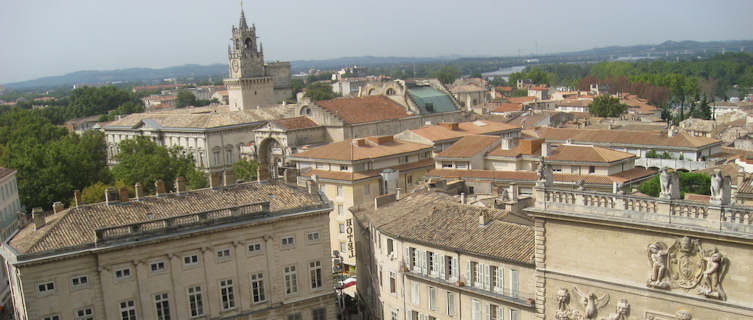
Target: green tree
(476, 75)
(606, 106)
(245, 169)
(185, 98)
(296, 85)
(319, 91)
(693, 182)
(96, 192)
(446, 74)
(142, 160)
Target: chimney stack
(545, 149)
(123, 194)
(180, 185)
(229, 178)
(76, 197)
(462, 198)
(111, 196)
(57, 206)
(159, 188)
(214, 180)
(139, 191)
(483, 218)
(37, 215)
(397, 193)
(258, 174)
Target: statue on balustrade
(720, 189)
(670, 184)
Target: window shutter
(501, 280)
(500, 313)
(488, 311)
(423, 262)
(408, 313)
(454, 266)
(480, 273)
(407, 258)
(468, 271)
(487, 276)
(442, 273)
(514, 283)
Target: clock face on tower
(235, 65)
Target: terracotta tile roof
(521, 99)
(697, 197)
(438, 219)
(441, 132)
(531, 147)
(4, 172)
(364, 109)
(587, 154)
(346, 151)
(74, 228)
(622, 137)
(538, 88)
(633, 174)
(469, 146)
(504, 89)
(301, 122)
(573, 103)
(355, 176)
(509, 107)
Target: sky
(53, 37)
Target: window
(390, 246)
(343, 248)
(315, 269)
(227, 294)
(217, 158)
(451, 269)
(414, 294)
(128, 310)
(591, 169)
(52, 317)
(312, 236)
(191, 260)
(229, 156)
(195, 301)
(393, 314)
(446, 164)
(163, 306)
(322, 188)
(123, 273)
(393, 283)
(319, 314)
(340, 210)
(556, 169)
(450, 304)
(158, 266)
(340, 191)
(254, 248)
(403, 159)
(295, 316)
(461, 165)
(257, 287)
(46, 288)
(410, 179)
(343, 167)
(84, 314)
(288, 242)
(513, 314)
(366, 189)
(80, 282)
(476, 309)
(514, 283)
(497, 279)
(432, 298)
(223, 254)
(321, 166)
(525, 191)
(341, 227)
(291, 280)
(494, 311)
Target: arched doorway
(270, 155)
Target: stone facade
(612, 256)
(268, 259)
(10, 207)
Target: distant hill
(669, 48)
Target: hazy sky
(53, 37)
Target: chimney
(360, 142)
(462, 198)
(57, 207)
(159, 187)
(180, 185)
(397, 193)
(37, 215)
(229, 178)
(76, 197)
(111, 196)
(214, 180)
(450, 125)
(545, 149)
(123, 194)
(139, 191)
(483, 218)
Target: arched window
(248, 42)
(390, 92)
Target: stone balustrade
(681, 214)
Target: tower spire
(242, 25)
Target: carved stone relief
(622, 311)
(686, 265)
(680, 315)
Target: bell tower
(246, 60)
